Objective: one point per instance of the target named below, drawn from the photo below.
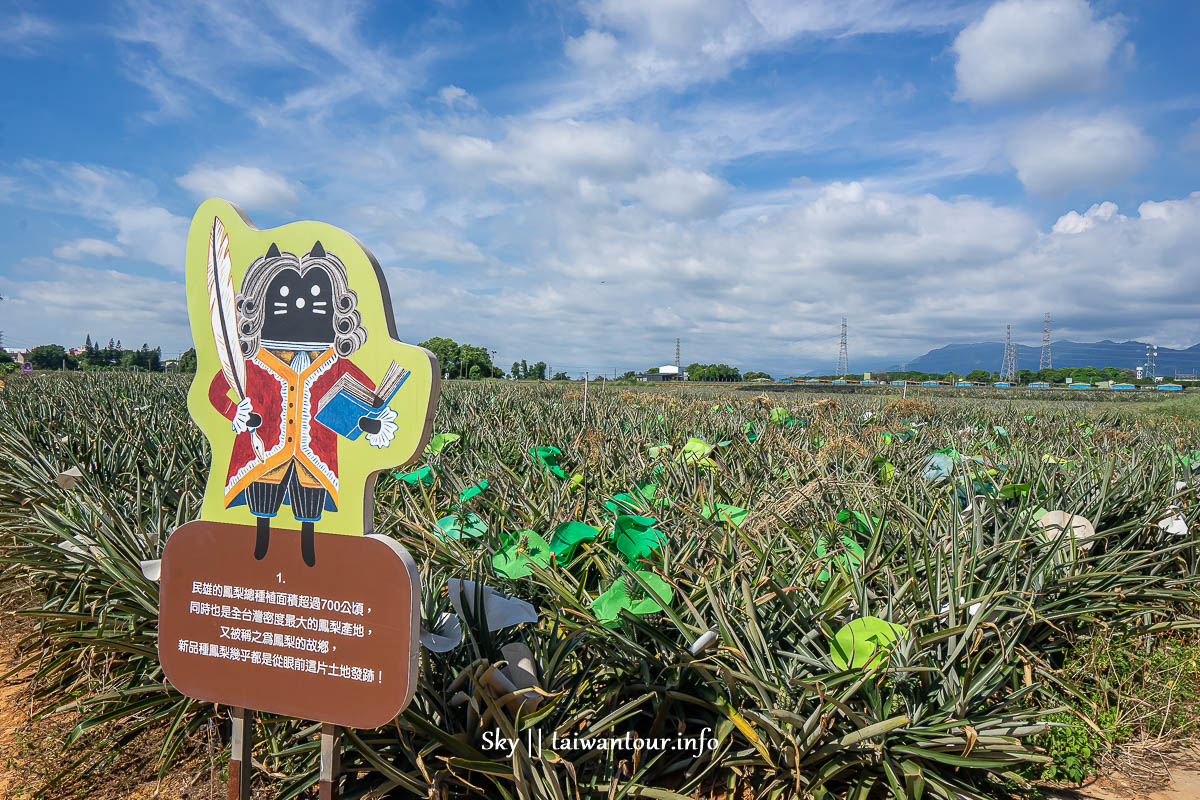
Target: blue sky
(582, 182)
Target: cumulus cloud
(1021, 49)
(1058, 154)
(249, 187)
(1074, 222)
(681, 192)
(81, 248)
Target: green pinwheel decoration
(460, 525)
(548, 458)
(844, 553)
(425, 475)
(862, 642)
(726, 513)
(568, 536)
(439, 441)
(635, 537)
(521, 551)
(628, 594)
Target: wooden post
(331, 762)
(239, 754)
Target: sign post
(281, 598)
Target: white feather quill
(222, 309)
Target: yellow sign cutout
(302, 387)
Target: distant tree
(497, 372)
(476, 372)
(629, 375)
(713, 372)
(516, 371)
(1025, 376)
(652, 371)
(979, 376)
(6, 357)
(447, 353)
(524, 370)
(560, 376)
(48, 356)
(538, 372)
(187, 361)
(752, 376)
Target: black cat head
(293, 303)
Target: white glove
(387, 430)
(241, 417)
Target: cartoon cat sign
(305, 395)
(301, 386)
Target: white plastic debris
(972, 609)
(1175, 524)
(704, 642)
(68, 478)
(152, 569)
(88, 548)
(867, 416)
(1053, 523)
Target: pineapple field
(655, 592)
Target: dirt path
(31, 751)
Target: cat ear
(317, 250)
(273, 251)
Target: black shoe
(308, 544)
(263, 541)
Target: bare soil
(33, 757)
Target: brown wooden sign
(335, 642)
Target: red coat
(274, 388)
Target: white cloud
(450, 95)
(1029, 48)
(80, 248)
(681, 192)
(63, 303)
(113, 198)
(19, 32)
(538, 153)
(632, 47)
(249, 187)
(169, 50)
(1059, 154)
(1074, 222)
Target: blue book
(348, 400)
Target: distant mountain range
(962, 358)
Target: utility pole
(843, 365)
(1045, 361)
(677, 353)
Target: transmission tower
(1008, 370)
(677, 353)
(1151, 357)
(843, 365)
(1045, 361)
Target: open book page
(392, 378)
